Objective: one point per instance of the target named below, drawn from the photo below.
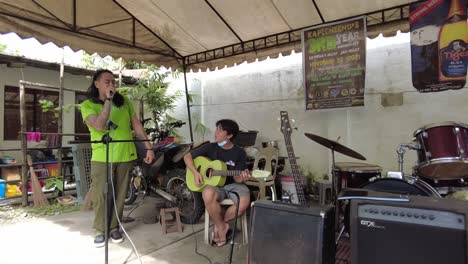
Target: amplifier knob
(416, 215)
(423, 216)
(431, 217)
(395, 213)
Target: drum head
(398, 186)
(440, 124)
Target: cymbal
(333, 145)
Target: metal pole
(120, 72)
(188, 101)
(60, 122)
(24, 146)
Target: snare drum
(444, 151)
(354, 174)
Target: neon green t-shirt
(121, 116)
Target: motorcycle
(165, 177)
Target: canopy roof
(198, 33)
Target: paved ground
(68, 238)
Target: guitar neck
(227, 173)
(296, 174)
(294, 167)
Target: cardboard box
(11, 173)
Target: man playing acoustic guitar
(234, 157)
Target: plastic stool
(325, 191)
(173, 225)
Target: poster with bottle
(439, 40)
(334, 64)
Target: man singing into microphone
(107, 110)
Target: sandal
(221, 243)
(218, 243)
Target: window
(80, 126)
(36, 120)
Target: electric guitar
(214, 173)
(286, 130)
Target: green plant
(151, 91)
(2, 47)
(55, 182)
(201, 129)
(48, 106)
(52, 209)
(95, 62)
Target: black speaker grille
(290, 234)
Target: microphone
(111, 93)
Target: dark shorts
(227, 191)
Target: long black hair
(93, 92)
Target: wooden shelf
(34, 163)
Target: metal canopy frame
(374, 18)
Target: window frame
(36, 124)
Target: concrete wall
(11, 77)
(253, 94)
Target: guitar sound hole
(208, 173)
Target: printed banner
(334, 62)
(439, 40)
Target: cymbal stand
(334, 199)
(333, 192)
(401, 153)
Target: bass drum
(409, 185)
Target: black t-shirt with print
(234, 157)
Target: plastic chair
(241, 219)
(270, 156)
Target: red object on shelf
(52, 168)
(41, 182)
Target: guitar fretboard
(227, 173)
(292, 158)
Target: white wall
(11, 77)
(253, 94)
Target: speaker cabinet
(285, 233)
(424, 230)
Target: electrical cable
(196, 246)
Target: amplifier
(287, 233)
(424, 230)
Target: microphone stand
(107, 195)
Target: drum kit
(441, 169)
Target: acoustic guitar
(214, 173)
